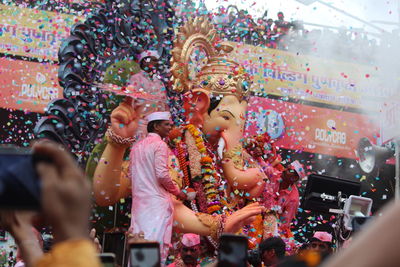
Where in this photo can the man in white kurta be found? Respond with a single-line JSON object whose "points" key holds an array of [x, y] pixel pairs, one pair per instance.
{"points": [[152, 208]]}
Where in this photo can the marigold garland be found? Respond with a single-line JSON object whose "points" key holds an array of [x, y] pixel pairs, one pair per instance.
{"points": [[208, 171], [181, 157]]}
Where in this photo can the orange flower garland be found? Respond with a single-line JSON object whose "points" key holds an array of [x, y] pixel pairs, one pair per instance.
{"points": [[207, 169], [176, 137]]}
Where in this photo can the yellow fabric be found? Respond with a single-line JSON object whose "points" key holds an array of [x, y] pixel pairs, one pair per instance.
{"points": [[73, 253]]}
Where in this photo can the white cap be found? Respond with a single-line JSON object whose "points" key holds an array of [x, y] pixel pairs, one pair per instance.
{"points": [[148, 53], [299, 169], [159, 116]]}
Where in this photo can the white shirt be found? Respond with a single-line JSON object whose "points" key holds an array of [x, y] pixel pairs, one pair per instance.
{"points": [[152, 208]]}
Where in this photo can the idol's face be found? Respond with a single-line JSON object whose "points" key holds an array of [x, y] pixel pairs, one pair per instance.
{"points": [[227, 120]]}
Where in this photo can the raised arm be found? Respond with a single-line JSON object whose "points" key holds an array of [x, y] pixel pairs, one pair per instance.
{"points": [[110, 184]]}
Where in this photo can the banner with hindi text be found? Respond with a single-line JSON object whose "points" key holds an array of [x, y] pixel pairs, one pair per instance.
{"points": [[286, 74], [32, 32]]}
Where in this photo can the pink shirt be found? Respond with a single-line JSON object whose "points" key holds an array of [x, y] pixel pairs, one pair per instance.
{"points": [[289, 202], [283, 202]]}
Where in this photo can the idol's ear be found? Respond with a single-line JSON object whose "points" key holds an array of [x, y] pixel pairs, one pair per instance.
{"points": [[196, 103]]}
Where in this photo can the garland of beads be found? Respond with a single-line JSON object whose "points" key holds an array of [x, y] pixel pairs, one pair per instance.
{"points": [[207, 170]]}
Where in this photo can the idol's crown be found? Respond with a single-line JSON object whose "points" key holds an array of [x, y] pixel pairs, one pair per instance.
{"points": [[200, 63]]}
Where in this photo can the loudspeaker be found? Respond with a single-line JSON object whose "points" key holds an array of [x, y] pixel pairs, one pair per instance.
{"points": [[372, 156], [356, 207]]}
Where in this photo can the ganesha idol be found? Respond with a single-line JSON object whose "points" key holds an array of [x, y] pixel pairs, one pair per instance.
{"points": [[208, 149]]}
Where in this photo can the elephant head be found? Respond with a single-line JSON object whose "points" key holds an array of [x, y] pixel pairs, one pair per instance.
{"points": [[215, 90], [222, 119]]}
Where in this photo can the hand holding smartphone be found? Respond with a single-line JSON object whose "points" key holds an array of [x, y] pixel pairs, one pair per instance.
{"points": [[19, 183]]}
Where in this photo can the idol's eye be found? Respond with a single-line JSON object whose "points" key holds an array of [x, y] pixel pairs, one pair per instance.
{"points": [[245, 86], [225, 117]]}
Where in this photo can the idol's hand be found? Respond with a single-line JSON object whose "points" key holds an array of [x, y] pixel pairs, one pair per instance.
{"points": [[125, 118], [242, 217]]}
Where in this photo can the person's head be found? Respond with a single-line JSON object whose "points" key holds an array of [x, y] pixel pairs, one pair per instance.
{"points": [[270, 21], [280, 15], [149, 60], [321, 242], [292, 174], [272, 250], [253, 147], [258, 152], [190, 249], [159, 123], [289, 177]]}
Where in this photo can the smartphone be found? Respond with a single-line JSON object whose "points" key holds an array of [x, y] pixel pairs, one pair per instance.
{"points": [[232, 251], [19, 183], [107, 259], [145, 254]]}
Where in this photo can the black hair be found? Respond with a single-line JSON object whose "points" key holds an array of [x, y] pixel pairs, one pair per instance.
{"points": [[141, 64], [276, 243], [214, 102], [152, 124]]}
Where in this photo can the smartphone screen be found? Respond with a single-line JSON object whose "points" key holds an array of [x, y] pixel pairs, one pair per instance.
{"points": [[19, 184], [232, 251], [107, 259], [145, 254]]}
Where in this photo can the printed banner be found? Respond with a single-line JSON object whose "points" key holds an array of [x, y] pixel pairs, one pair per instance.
{"points": [[310, 129], [28, 85], [33, 33], [281, 73]]}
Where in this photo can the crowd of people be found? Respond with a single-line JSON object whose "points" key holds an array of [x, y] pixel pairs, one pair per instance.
{"points": [[339, 43]]}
